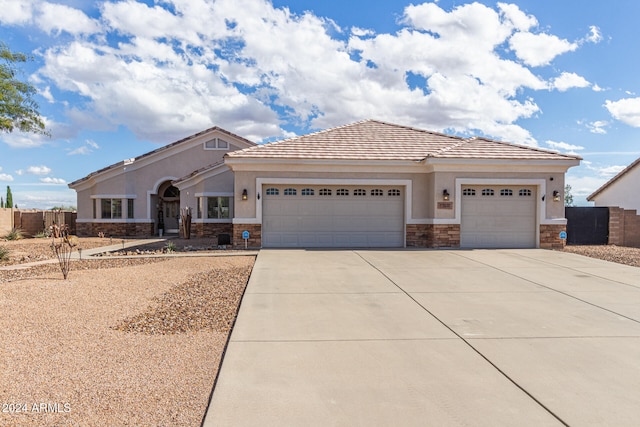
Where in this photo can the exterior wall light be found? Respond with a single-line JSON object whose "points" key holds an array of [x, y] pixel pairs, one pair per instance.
{"points": [[556, 196], [445, 195], [244, 194]]}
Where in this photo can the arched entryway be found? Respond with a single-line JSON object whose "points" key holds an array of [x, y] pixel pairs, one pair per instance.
{"points": [[168, 208]]}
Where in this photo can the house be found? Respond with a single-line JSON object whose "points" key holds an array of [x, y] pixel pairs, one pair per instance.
{"points": [[621, 190], [370, 184], [137, 197], [620, 196]]}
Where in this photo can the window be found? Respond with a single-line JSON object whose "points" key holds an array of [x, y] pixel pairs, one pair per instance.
{"points": [[273, 192], [216, 144], [377, 192], [359, 192], [290, 192], [524, 192], [130, 209], [393, 192], [171, 192], [198, 207], [324, 192], [95, 215], [307, 192], [217, 207], [111, 208], [488, 192], [506, 192], [342, 192], [469, 192]]}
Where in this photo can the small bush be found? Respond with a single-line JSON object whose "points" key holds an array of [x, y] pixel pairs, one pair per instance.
{"points": [[14, 234], [43, 234], [4, 254], [170, 247]]}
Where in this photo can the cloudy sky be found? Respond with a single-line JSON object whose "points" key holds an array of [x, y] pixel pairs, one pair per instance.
{"points": [[119, 78]]}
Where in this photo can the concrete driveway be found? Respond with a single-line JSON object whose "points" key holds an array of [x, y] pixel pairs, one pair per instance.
{"points": [[433, 337]]}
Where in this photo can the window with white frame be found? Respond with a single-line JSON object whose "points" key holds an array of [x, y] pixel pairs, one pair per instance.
{"points": [[524, 192], [469, 192], [272, 192], [359, 192], [342, 192], [307, 192], [488, 192], [394, 192], [506, 192], [290, 192], [111, 208], [377, 192], [199, 207], [216, 144], [324, 192], [130, 211], [218, 207]]}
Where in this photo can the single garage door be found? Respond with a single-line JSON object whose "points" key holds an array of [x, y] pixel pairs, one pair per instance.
{"points": [[332, 216], [498, 217]]}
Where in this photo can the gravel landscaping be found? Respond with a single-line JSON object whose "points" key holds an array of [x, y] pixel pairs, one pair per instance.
{"points": [[619, 254], [125, 342]]}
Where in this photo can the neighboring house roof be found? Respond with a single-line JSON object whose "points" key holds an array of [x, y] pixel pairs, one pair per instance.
{"points": [[198, 172], [377, 140], [157, 151], [614, 179]]}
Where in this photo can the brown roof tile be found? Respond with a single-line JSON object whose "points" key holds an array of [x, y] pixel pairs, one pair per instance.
{"points": [[376, 140]]}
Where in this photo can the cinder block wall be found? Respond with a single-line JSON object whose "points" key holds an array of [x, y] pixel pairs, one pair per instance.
{"points": [[631, 229], [624, 227]]}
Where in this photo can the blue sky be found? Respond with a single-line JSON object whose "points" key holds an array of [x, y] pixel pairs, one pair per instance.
{"points": [[119, 78]]}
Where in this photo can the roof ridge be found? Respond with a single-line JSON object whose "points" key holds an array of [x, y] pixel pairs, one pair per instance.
{"points": [[526, 147]]}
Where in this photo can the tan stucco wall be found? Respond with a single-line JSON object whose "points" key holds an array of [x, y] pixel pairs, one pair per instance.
{"points": [[427, 188], [147, 173]]}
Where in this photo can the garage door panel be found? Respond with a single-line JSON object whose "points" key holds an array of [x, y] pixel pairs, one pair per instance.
{"points": [[333, 221], [498, 221]]}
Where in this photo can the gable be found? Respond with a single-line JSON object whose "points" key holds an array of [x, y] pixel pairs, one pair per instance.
{"points": [[626, 179]]}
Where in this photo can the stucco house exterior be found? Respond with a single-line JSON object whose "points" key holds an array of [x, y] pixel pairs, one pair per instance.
{"points": [[621, 190], [366, 184], [137, 197]]}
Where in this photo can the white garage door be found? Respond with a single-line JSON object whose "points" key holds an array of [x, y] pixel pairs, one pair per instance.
{"points": [[332, 216], [498, 217]]}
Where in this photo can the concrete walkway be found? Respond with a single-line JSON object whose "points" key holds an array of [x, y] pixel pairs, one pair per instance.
{"points": [[433, 337], [91, 253]]}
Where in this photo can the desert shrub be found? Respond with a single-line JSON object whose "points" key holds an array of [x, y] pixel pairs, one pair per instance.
{"points": [[4, 253], [14, 234], [43, 234], [170, 247]]}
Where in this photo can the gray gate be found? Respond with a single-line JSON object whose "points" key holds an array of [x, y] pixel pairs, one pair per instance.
{"points": [[587, 225]]}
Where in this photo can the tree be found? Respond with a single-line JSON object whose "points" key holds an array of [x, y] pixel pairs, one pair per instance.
{"points": [[9, 202], [18, 109], [568, 197]]}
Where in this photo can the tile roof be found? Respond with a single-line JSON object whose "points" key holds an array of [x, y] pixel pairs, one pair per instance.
{"points": [[377, 140], [159, 150], [614, 179]]}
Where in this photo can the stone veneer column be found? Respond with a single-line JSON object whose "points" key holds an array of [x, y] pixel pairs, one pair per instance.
{"points": [[433, 235], [255, 236], [550, 236]]}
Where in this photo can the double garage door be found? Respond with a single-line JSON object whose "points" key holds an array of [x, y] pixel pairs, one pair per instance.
{"points": [[498, 216], [332, 216]]}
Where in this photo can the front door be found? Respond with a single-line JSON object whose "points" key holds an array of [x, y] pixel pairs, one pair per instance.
{"points": [[171, 215]]}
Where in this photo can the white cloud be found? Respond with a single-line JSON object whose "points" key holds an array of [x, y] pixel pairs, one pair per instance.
{"points": [[594, 36], [598, 127], [248, 66], [54, 18], [16, 12], [563, 146], [6, 177], [626, 110], [610, 171], [49, 180], [539, 49], [568, 81], [88, 148], [597, 88], [38, 170]]}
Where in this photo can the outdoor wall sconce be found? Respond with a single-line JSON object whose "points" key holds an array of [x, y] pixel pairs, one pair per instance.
{"points": [[244, 194], [556, 196], [445, 195]]}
